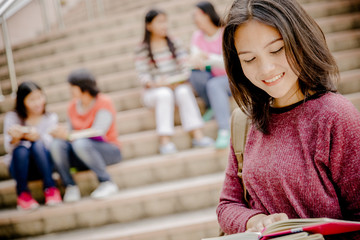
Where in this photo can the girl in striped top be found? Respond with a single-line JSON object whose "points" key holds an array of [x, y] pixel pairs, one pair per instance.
{"points": [[162, 70]]}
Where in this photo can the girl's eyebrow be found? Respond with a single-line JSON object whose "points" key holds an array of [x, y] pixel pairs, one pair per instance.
{"points": [[273, 41]]}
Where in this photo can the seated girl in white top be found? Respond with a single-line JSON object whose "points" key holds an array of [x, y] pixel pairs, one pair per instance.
{"points": [[160, 63]]}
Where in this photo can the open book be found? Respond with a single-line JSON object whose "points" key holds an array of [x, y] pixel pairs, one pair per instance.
{"points": [[308, 228], [172, 79], [86, 133]]}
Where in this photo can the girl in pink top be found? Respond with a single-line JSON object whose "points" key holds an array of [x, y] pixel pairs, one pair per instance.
{"points": [[208, 76], [302, 155]]}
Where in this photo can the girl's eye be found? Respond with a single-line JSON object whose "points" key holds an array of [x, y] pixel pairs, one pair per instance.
{"points": [[248, 61], [277, 51]]}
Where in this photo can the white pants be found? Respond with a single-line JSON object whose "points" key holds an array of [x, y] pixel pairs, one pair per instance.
{"points": [[163, 99]]}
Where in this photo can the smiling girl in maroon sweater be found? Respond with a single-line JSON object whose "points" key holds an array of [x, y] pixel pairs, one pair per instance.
{"points": [[302, 155]]}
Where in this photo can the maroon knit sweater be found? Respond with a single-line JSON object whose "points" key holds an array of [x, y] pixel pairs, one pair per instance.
{"points": [[307, 167]]}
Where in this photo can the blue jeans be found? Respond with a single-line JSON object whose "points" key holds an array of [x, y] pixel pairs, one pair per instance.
{"points": [[215, 91], [83, 154], [31, 164]]}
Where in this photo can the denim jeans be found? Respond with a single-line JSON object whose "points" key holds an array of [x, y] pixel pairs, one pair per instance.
{"points": [[215, 91], [83, 154], [31, 164]]}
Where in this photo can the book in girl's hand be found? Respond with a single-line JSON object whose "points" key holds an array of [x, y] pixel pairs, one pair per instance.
{"points": [[307, 229]]}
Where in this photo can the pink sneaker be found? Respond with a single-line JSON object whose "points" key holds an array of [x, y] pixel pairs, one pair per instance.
{"points": [[26, 202], [52, 196]]}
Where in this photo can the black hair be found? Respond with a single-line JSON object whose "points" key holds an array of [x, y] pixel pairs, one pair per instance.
{"points": [[149, 17], [84, 80], [24, 89], [209, 10]]}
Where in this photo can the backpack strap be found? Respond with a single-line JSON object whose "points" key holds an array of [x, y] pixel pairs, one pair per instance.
{"points": [[239, 129]]}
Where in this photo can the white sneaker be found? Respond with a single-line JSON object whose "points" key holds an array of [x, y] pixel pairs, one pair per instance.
{"points": [[168, 148], [72, 194], [104, 190], [203, 142]]}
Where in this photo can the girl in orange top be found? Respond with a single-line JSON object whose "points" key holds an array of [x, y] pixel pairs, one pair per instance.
{"points": [[91, 142]]}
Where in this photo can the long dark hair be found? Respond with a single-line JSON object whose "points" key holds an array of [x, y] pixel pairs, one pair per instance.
{"points": [[84, 80], [24, 89], [149, 17], [209, 10], [305, 47]]}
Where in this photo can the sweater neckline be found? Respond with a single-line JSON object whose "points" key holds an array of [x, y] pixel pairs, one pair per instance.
{"points": [[292, 106]]}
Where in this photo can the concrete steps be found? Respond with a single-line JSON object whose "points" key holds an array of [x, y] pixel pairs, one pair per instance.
{"points": [[192, 225], [129, 205], [81, 55], [318, 9], [118, 71], [135, 172]]}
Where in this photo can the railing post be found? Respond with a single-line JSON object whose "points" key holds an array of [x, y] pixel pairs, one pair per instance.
{"points": [[89, 9], [100, 7], [44, 15], [9, 58], [59, 14]]}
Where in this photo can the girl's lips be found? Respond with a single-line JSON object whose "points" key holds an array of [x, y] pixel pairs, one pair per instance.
{"points": [[274, 80]]}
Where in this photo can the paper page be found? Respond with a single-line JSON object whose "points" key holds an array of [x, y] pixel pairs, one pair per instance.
{"points": [[238, 236]]}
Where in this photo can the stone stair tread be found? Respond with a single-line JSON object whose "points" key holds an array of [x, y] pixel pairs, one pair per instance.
{"points": [[154, 227], [141, 171], [103, 23], [347, 59], [37, 62], [331, 23], [324, 8], [156, 200], [318, 5], [96, 52], [336, 41], [349, 81], [124, 194], [114, 64]]}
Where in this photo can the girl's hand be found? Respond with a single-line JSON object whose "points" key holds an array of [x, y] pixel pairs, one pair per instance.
{"points": [[32, 135], [60, 132], [258, 222], [16, 133]]}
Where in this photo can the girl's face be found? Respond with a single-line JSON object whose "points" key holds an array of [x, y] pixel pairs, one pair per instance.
{"points": [[200, 18], [75, 91], [158, 26], [35, 103], [262, 56]]}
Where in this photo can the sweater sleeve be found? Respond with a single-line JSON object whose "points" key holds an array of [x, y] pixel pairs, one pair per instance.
{"points": [[344, 160], [142, 65], [232, 210], [11, 118], [103, 121], [51, 122]]}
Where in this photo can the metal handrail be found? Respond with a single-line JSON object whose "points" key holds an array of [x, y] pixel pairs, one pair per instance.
{"points": [[9, 56], [5, 7]]}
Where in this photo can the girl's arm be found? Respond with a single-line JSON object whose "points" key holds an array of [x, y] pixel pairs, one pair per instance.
{"points": [[233, 213], [142, 66], [12, 131], [51, 123], [344, 160]]}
